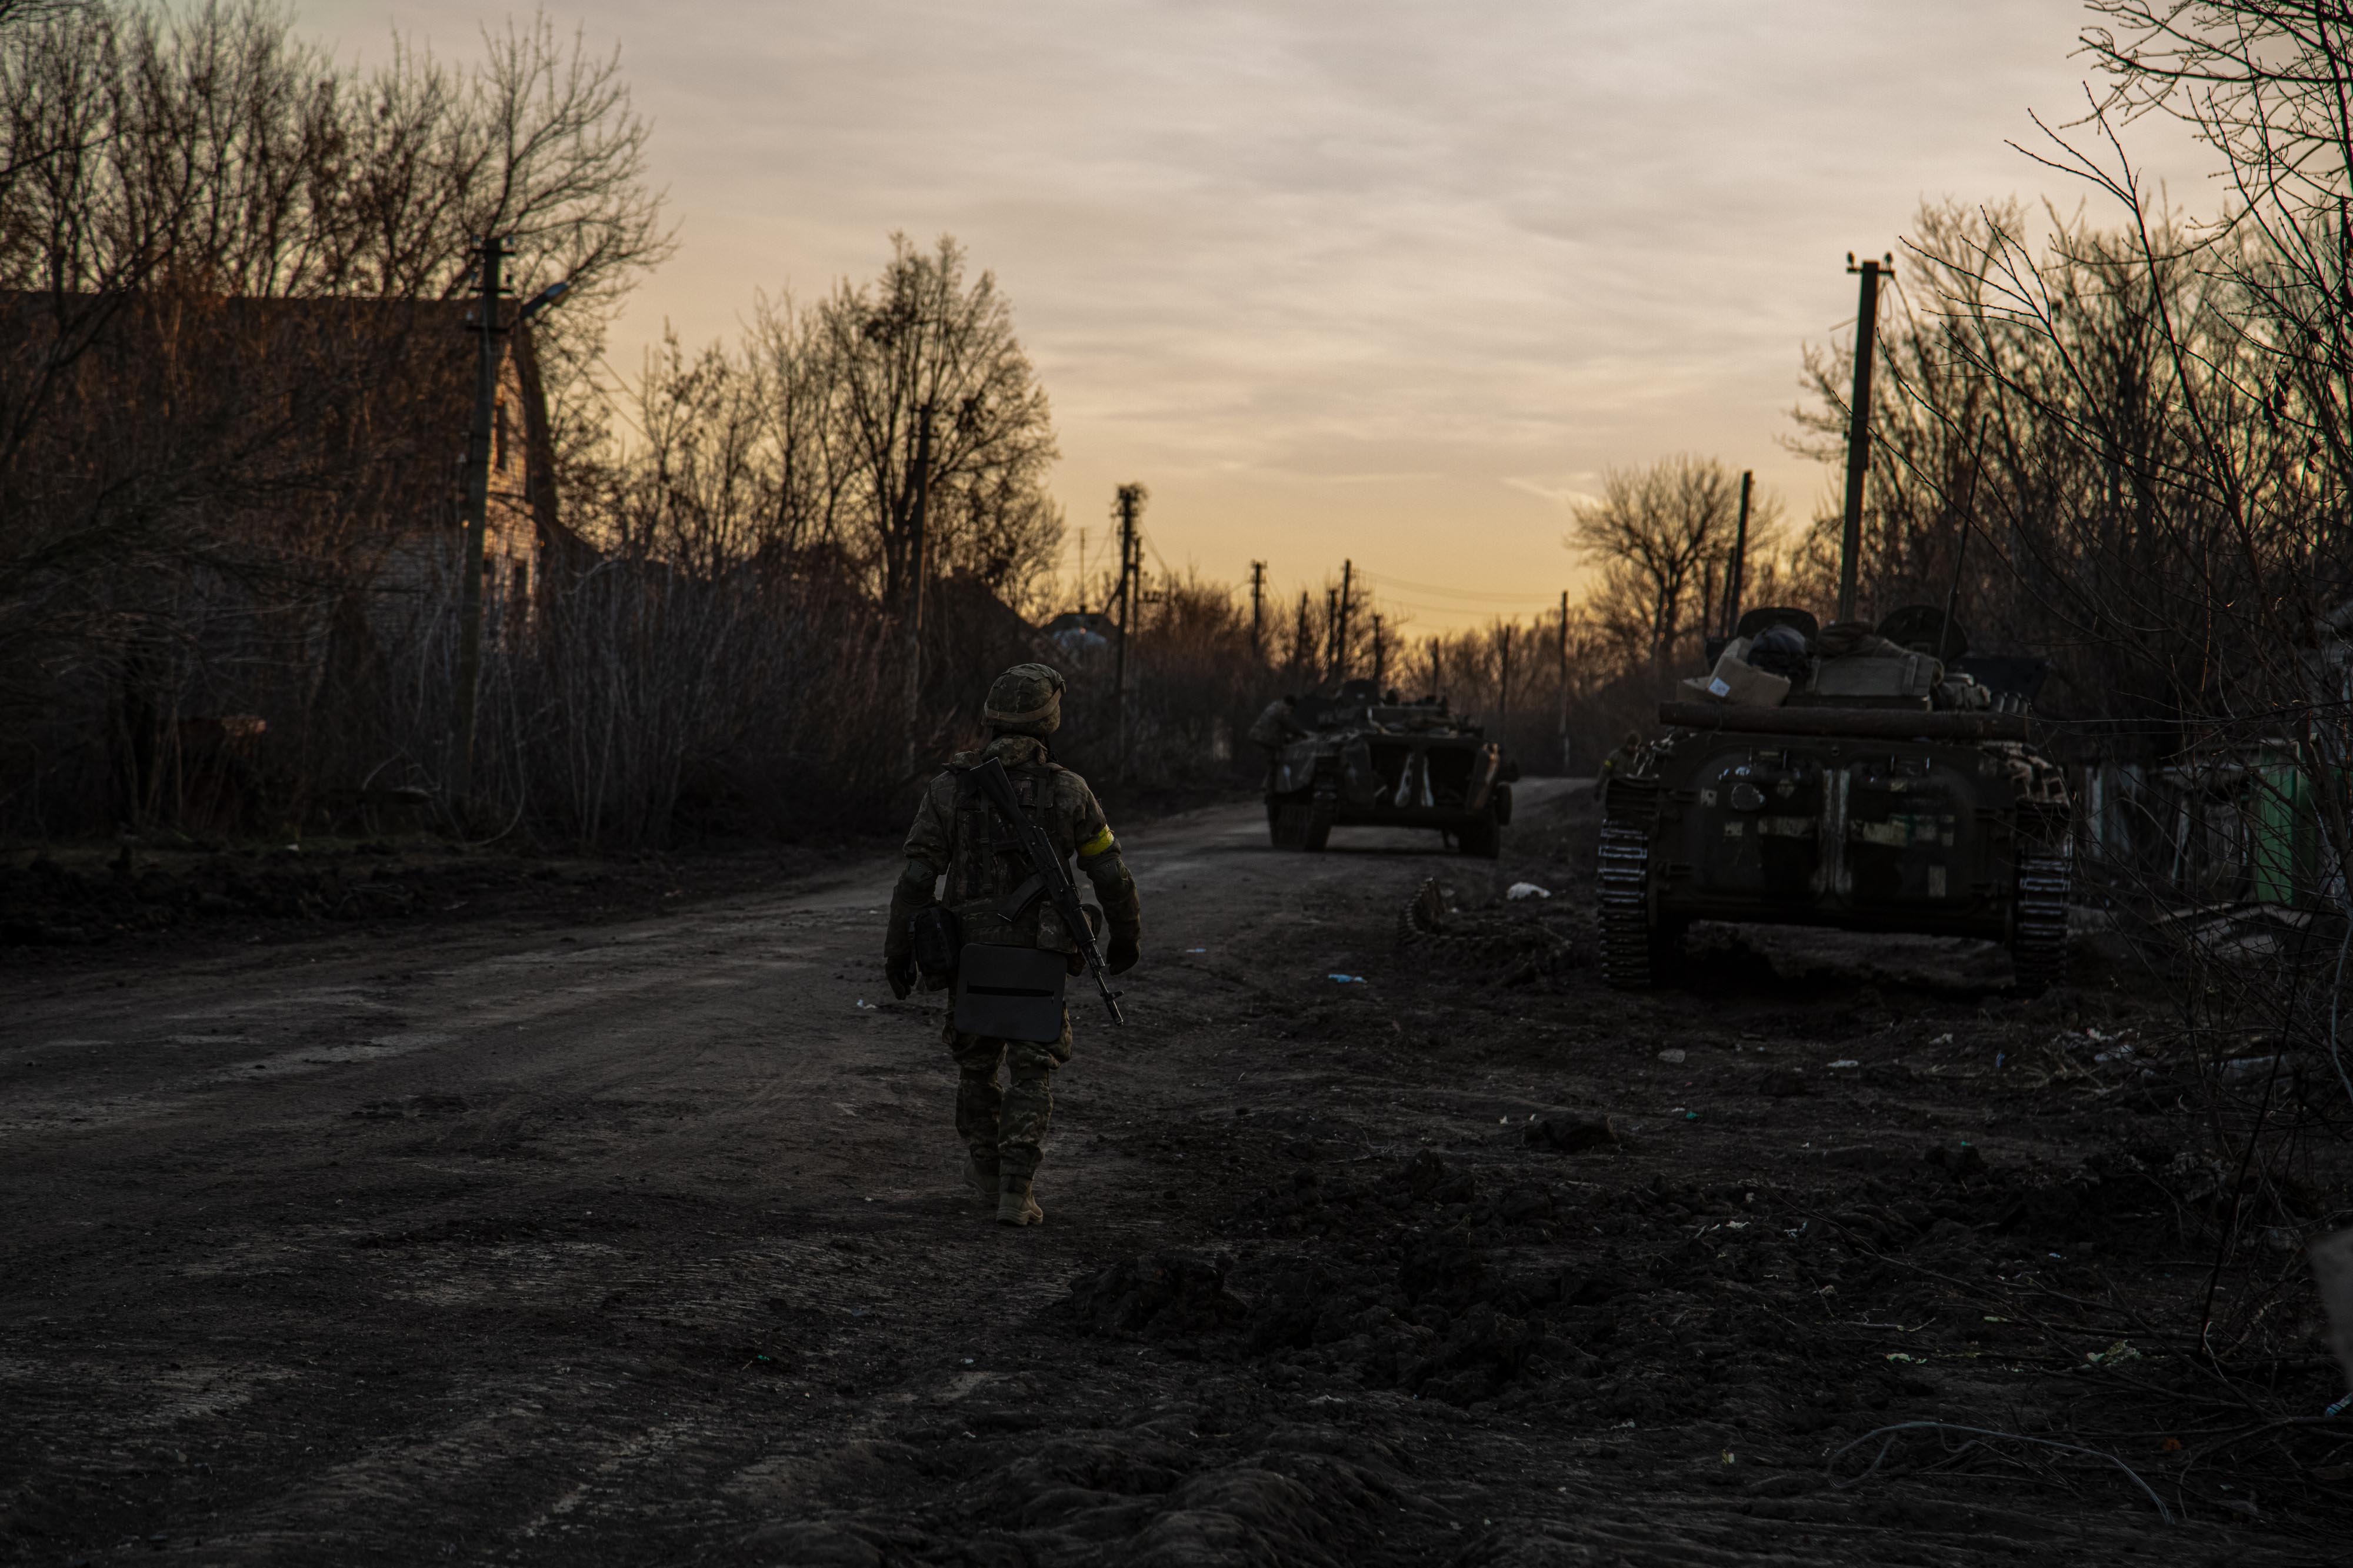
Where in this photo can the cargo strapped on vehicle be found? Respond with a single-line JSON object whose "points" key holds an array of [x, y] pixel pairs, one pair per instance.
{"points": [[1858, 723]]}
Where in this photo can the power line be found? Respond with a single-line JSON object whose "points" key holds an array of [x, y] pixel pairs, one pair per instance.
{"points": [[1457, 593], [1387, 600]]}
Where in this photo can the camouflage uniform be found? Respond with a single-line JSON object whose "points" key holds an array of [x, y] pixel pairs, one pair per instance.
{"points": [[1276, 725], [957, 835], [1624, 759]]}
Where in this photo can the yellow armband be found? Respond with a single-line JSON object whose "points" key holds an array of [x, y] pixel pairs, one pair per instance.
{"points": [[1096, 846]]}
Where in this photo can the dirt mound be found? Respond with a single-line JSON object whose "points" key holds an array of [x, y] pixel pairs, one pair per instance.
{"points": [[1428, 1279], [1422, 1303], [1173, 1486], [1158, 1296]]}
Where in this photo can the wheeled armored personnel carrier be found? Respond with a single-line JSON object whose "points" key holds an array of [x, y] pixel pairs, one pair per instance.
{"points": [[1841, 777], [1364, 758]]}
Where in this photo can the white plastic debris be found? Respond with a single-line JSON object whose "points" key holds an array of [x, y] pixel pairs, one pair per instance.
{"points": [[1672, 1054], [1846, 1062], [1526, 890]]}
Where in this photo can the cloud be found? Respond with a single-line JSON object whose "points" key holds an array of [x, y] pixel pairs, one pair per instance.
{"points": [[1559, 495], [1333, 278]]}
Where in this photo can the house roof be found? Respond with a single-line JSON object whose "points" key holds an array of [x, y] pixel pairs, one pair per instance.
{"points": [[359, 407]]}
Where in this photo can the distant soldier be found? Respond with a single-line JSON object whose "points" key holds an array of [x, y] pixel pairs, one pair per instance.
{"points": [[1277, 724], [994, 895], [1622, 760]]}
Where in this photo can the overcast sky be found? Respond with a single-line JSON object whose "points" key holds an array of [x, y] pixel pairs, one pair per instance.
{"points": [[1377, 280]]}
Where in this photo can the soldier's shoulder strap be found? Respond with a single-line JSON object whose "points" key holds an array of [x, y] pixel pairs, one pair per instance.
{"points": [[1038, 777]]}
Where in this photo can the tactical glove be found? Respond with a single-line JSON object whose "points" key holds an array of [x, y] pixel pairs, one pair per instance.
{"points": [[900, 969], [1123, 949]]}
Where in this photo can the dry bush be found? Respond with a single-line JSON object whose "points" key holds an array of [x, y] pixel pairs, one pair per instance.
{"points": [[1194, 684], [2139, 430]]}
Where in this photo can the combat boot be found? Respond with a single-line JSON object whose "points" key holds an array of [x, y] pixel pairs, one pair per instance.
{"points": [[1014, 1206], [981, 1170]]}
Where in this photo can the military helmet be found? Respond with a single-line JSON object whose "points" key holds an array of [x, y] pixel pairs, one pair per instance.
{"points": [[1026, 700]]}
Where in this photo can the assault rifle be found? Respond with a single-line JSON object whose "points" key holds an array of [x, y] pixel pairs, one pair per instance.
{"points": [[1051, 877]]}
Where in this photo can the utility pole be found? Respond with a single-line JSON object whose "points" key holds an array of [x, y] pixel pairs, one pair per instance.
{"points": [[1380, 654], [490, 255], [1258, 610], [1739, 568], [1340, 634], [1130, 506], [1331, 632], [918, 521], [1503, 683], [1858, 430], [1562, 676]]}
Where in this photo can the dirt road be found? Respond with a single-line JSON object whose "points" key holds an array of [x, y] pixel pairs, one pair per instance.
{"points": [[643, 1244]]}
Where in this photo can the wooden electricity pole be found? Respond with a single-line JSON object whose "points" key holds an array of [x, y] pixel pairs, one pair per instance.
{"points": [[491, 255], [1340, 634], [1738, 569], [918, 521], [1380, 654], [1561, 675], [1131, 506], [916, 568], [1504, 682], [1258, 610], [1858, 430]]}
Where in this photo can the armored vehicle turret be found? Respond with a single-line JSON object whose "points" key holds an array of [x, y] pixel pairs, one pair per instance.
{"points": [[1840, 776], [1363, 757]]}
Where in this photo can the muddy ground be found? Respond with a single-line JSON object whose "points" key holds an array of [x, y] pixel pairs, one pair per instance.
{"points": [[641, 1242]]}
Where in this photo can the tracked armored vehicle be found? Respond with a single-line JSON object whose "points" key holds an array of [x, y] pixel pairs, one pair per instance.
{"points": [[1864, 781], [1364, 758]]}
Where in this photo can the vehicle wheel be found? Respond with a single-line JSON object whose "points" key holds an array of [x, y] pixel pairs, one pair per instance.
{"points": [[1483, 838], [1315, 827], [2037, 940]]}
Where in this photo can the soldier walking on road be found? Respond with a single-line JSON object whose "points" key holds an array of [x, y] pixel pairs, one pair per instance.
{"points": [[994, 897]]}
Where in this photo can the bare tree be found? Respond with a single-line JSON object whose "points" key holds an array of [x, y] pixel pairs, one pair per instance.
{"points": [[2152, 412], [921, 337], [1659, 535], [163, 176], [801, 441]]}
